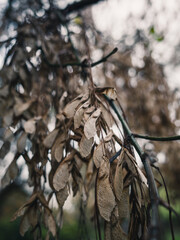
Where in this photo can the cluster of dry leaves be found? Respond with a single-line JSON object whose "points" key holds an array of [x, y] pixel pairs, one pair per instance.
{"points": [[83, 149]]}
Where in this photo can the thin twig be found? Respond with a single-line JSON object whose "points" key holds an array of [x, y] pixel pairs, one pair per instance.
{"points": [[77, 6], [80, 64], [161, 139], [153, 192]]}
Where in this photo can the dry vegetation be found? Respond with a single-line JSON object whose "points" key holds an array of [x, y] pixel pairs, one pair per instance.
{"points": [[48, 74]]}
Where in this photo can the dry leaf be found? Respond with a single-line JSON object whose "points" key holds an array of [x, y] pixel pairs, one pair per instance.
{"points": [[118, 182], [29, 126], [62, 195], [108, 136], [104, 168], [85, 146], [20, 107], [107, 116], [4, 91], [22, 209], [98, 155], [70, 108], [25, 224], [50, 221], [105, 198], [21, 143], [57, 149], [123, 204], [8, 118], [79, 114], [4, 149], [49, 140], [90, 125], [11, 174], [8, 134], [61, 176]]}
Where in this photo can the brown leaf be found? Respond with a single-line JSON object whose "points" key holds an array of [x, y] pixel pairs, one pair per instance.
{"points": [[11, 174], [105, 198], [98, 155], [49, 140], [4, 149], [20, 107], [8, 118], [21, 143], [22, 209], [29, 126], [57, 149], [50, 221], [85, 146], [25, 224], [62, 195], [104, 168], [123, 204], [90, 125], [61, 176], [108, 136], [8, 134], [4, 91], [59, 152], [89, 172], [106, 114], [118, 178], [79, 114], [70, 108]]}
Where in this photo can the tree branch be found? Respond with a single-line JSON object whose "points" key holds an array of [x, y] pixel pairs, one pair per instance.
{"points": [[77, 6], [81, 64], [153, 192], [161, 139]]}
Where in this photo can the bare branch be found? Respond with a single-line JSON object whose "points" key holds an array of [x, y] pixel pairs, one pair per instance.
{"points": [[160, 139], [77, 6]]}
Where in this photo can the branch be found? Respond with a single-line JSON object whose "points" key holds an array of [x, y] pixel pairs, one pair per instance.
{"points": [[162, 139], [153, 192], [77, 6], [81, 64]]}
